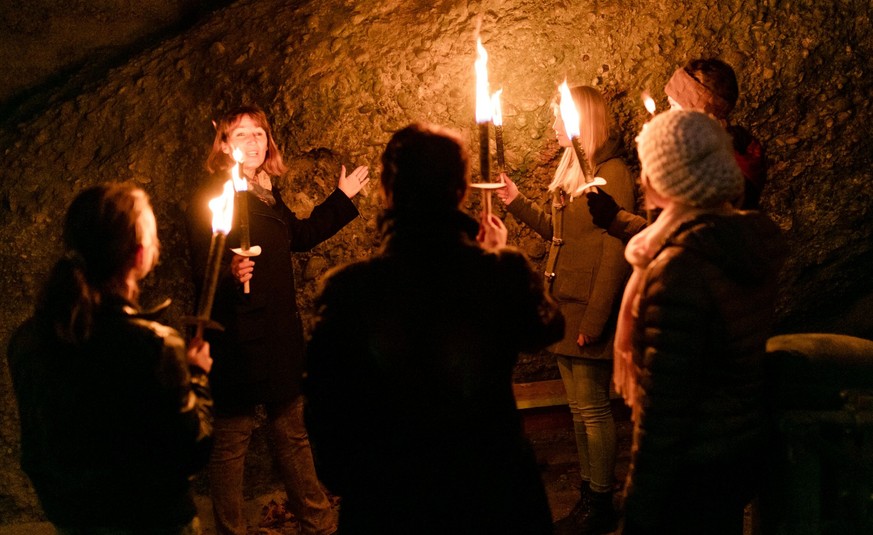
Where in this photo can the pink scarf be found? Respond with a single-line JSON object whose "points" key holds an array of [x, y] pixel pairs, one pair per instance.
{"points": [[640, 251]]}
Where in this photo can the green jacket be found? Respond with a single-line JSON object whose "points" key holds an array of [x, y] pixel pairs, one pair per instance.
{"points": [[591, 269]]}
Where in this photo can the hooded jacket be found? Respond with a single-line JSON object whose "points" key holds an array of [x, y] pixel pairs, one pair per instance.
{"points": [[704, 312]]}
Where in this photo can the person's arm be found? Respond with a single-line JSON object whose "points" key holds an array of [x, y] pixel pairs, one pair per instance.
{"points": [[617, 220], [326, 219], [613, 269], [524, 209], [183, 384], [625, 225]]}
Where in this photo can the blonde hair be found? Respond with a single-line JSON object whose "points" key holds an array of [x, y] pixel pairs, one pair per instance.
{"points": [[594, 123]]}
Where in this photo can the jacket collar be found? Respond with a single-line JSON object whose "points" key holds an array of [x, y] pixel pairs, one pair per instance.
{"points": [[119, 305]]}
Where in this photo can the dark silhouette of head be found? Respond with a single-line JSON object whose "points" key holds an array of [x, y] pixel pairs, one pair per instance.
{"points": [[424, 169]]}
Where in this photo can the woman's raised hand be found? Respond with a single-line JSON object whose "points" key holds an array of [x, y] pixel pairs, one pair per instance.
{"points": [[509, 193], [352, 184]]}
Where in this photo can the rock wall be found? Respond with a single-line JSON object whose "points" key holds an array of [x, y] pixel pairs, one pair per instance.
{"points": [[338, 77]]}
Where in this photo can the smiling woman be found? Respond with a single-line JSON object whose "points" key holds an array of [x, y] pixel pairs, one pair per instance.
{"points": [[259, 355]]}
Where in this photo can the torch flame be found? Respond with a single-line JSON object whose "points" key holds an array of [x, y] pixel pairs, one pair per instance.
{"points": [[483, 101], [649, 103], [496, 111], [239, 184], [569, 113], [222, 209]]}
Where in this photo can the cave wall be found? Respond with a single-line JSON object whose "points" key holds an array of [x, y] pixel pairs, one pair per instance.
{"points": [[338, 77]]}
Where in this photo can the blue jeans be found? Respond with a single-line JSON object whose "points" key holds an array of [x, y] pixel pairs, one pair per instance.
{"points": [[290, 443], [587, 384]]}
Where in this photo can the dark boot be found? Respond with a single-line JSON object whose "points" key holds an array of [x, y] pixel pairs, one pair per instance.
{"points": [[602, 516], [570, 524]]}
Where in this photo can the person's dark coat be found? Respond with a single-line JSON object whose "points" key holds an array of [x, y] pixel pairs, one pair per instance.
{"points": [[410, 403], [705, 311], [258, 358], [111, 429]]}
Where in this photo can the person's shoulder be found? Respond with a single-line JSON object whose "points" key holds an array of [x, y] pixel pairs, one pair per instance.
{"points": [[143, 329], [615, 163], [340, 279]]}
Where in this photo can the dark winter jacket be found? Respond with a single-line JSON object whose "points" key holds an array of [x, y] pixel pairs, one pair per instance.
{"points": [[410, 402], [112, 429], [705, 312], [591, 268], [258, 358]]}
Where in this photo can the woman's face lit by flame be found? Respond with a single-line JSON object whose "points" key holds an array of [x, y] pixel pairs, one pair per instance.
{"points": [[558, 126], [251, 139]]}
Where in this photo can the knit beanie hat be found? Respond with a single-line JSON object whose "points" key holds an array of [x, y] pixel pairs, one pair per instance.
{"points": [[688, 156]]}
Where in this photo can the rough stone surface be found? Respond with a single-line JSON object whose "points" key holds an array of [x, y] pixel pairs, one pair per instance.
{"points": [[338, 77]]}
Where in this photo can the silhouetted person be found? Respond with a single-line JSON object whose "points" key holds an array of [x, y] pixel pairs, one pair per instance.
{"points": [[409, 389], [692, 333], [259, 355], [115, 416]]}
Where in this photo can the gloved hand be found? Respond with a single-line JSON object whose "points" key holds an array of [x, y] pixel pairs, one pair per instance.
{"points": [[602, 207]]}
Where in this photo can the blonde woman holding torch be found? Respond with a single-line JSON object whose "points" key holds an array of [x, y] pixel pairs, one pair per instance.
{"points": [[588, 270]]}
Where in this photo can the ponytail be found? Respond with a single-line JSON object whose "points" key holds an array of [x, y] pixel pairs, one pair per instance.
{"points": [[104, 228], [67, 304]]}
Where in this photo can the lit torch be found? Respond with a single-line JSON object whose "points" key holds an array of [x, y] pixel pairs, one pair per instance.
{"points": [[483, 109], [483, 119], [570, 118], [222, 218], [240, 185], [497, 119], [649, 103]]}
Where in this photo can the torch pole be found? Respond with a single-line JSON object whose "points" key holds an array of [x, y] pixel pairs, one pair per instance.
{"points": [[498, 138], [245, 242], [242, 203], [485, 166], [210, 280], [484, 159], [583, 160]]}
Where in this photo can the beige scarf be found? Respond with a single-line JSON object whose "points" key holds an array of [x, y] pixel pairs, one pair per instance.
{"points": [[640, 251]]}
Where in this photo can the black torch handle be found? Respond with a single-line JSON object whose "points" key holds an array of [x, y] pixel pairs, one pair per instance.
{"points": [[242, 207], [498, 138], [583, 160], [484, 157]]}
